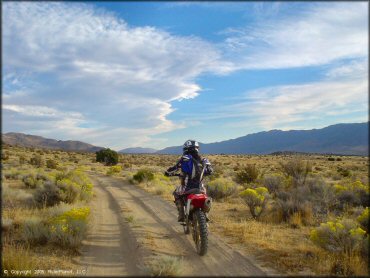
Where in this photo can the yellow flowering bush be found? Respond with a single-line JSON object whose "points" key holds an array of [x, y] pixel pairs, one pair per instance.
{"points": [[68, 229], [160, 184], [363, 219], [114, 170], [255, 199], [339, 236]]}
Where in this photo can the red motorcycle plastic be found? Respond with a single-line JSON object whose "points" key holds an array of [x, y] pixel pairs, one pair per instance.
{"points": [[196, 206]]}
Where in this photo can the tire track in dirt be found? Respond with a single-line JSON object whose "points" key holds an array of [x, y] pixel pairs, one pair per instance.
{"points": [[154, 228], [110, 248]]}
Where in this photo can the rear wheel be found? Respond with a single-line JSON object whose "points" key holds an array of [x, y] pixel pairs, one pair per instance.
{"points": [[200, 232]]}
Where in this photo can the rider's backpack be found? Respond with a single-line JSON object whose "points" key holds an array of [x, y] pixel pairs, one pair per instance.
{"points": [[192, 167]]}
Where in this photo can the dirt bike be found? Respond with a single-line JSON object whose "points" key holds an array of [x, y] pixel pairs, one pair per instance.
{"points": [[197, 204]]}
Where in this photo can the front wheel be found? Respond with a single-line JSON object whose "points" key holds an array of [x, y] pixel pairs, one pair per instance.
{"points": [[200, 232], [186, 227]]}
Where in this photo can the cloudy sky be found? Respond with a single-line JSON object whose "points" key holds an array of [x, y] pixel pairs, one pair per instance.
{"points": [[155, 74]]}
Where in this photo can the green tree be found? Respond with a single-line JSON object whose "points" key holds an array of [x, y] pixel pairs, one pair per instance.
{"points": [[107, 156]]}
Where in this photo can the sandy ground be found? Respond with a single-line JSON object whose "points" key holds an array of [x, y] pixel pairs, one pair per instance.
{"points": [[130, 227]]}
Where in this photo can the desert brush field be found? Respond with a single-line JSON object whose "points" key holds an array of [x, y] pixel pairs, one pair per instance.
{"points": [[294, 213]]}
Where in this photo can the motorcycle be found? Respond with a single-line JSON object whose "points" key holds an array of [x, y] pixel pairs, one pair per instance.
{"points": [[196, 206]]}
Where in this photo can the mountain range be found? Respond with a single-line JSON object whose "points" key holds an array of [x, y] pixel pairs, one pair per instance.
{"points": [[346, 139], [138, 150], [26, 140]]}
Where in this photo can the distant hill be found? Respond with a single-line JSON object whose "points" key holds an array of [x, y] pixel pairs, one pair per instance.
{"points": [[138, 150], [347, 139], [25, 140]]}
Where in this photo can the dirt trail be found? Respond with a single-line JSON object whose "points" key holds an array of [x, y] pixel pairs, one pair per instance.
{"points": [[131, 227]]}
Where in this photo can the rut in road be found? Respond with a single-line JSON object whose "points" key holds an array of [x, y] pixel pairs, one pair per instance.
{"points": [[152, 230]]}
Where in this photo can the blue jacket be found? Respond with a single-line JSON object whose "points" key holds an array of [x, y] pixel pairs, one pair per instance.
{"points": [[191, 169]]}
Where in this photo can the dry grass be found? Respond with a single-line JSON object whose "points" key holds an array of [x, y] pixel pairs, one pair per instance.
{"points": [[280, 246], [164, 266]]}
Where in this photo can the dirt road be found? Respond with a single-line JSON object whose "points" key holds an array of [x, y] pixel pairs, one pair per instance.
{"points": [[131, 227]]}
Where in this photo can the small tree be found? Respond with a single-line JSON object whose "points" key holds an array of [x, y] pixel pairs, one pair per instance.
{"points": [[255, 199], [107, 156]]}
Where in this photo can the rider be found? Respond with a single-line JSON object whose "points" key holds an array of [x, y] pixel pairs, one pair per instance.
{"points": [[191, 165]]}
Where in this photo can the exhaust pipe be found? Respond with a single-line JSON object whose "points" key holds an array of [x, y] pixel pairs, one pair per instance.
{"points": [[207, 205]]}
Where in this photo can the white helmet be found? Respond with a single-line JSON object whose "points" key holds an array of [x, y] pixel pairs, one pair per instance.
{"points": [[190, 145]]}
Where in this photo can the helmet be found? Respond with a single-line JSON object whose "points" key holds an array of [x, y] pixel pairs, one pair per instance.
{"points": [[190, 145]]}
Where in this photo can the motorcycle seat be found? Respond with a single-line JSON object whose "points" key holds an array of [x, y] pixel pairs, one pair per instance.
{"points": [[193, 191]]}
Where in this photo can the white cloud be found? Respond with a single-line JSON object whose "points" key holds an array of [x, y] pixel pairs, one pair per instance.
{"points": [[86, 61], [320, 34], [75, 72]]}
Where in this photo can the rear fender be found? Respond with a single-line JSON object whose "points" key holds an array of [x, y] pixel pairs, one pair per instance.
{"points": [[195, 201]]}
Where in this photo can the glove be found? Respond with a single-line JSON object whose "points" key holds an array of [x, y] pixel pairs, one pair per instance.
{"points": [[166, 174]]}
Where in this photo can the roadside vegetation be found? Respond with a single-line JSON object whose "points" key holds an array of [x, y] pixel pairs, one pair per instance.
{"points": [[299, 214], [45, 207]]}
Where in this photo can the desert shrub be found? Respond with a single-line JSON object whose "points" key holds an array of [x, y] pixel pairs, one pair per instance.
{"points": [[13, 175], [344, 172], [217, 172], [69, 228], [294, 204], [43, 177], [6, 224], [352, 194], [247, 174], [143, 175], [30, 181], [339, 159], [297, 169], [4, 156], [51, 164], [37, 161], [161, 184], [340, 236], [35, 231], [107, 156], [47, 195], [255, 199], [68, 191], [347, 198], [363, 219], [331, 159], [221, 188], [321, 195], [127, 165], [114, 170], [19, 197], [164, 265], [22, 159], [71, 181], [273, 183]]}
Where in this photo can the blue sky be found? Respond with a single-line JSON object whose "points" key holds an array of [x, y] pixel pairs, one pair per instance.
{"points": [[153, 74]]}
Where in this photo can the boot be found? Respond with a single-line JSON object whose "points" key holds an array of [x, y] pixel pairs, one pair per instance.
{"points": [[180, 209]]}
